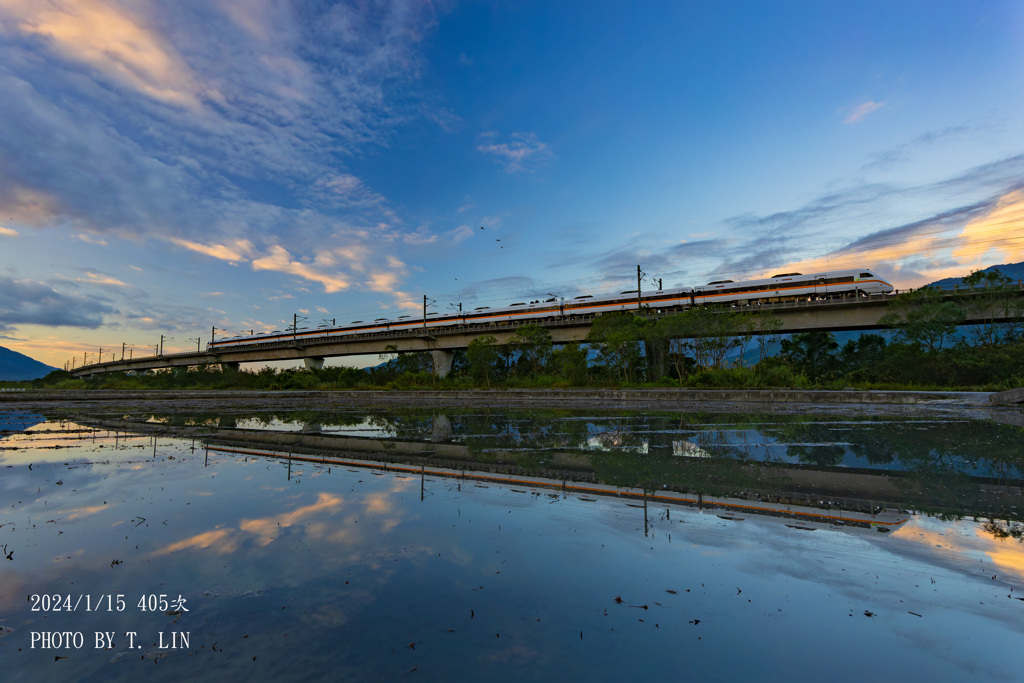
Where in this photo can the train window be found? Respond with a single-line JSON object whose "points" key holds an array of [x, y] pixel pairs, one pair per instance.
{"points": [[554, 298], [586, 296], [631, 291], [866, 275], [719, 282], [785, 275], [381, 320], [355, 322], [482, 308], [519, 304], [402, 317]]}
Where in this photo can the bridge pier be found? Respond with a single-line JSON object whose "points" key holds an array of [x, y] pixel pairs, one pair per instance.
{"points": [[442, 362], [657, 357], [313, 363], [230, 367]]}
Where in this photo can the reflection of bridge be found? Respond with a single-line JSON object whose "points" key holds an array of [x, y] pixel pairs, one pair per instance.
{"points": [[833, 315], [760, 483]]}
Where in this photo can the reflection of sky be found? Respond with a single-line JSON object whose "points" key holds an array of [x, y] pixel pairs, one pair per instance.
{"points": [[339, 570]]}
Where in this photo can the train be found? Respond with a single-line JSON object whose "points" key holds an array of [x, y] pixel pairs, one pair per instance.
{"points": [[783, 287]]}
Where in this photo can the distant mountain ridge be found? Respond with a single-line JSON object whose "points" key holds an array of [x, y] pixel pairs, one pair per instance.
{"points": [[1014, 271], [15, 367]]}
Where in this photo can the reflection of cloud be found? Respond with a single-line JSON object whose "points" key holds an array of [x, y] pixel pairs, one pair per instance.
{"points": [[78, 513], [379, 503], [218, 539], [1006, 553], [267, 528]]}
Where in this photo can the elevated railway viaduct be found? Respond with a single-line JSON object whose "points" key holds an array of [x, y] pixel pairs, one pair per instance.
{"points": [[833, 315]]}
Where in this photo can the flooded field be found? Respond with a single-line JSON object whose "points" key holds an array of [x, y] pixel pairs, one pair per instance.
{"points": [[495, 545]]}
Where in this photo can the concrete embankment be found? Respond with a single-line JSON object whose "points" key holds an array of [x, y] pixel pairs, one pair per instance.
{"points": [[520, 398]]}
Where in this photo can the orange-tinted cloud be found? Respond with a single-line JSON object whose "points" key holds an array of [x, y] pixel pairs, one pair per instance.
{"points": [[113, 41], [278, 259], [236, 250], [996, 237]]}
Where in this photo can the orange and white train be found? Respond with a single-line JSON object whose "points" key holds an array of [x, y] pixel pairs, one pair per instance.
{"points": [[783, 287]]}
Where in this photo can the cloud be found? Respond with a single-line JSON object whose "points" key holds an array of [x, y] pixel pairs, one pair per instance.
{"points": [[460, 233], [859, 112], [947, 244], [219, 129], [236, 250], [889, 157], [523, 152], [8, 232], [114, 43], [278, 259], [98, 279], [25, 302], [89, 239], [998, 235]]}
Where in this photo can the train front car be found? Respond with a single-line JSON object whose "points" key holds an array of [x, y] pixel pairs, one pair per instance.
{"points": [[871, 283]]}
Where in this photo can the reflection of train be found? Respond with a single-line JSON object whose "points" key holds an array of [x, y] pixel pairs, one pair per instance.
{"points": [[785, 287]]}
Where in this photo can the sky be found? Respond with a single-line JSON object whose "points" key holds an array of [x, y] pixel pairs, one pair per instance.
{"points": [[215, 167]]}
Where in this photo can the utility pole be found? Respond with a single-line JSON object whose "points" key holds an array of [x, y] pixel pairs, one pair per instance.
{"points": [[122, 350], [161, 351], [425, 300], [100, 355], [638, 302], [213, 331], [295, 324]]}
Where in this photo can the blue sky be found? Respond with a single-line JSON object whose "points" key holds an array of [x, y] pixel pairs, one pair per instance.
{"points": [[166, 168]]}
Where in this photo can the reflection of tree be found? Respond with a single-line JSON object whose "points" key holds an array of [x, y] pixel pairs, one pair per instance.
{"points": [[1004, 529]]}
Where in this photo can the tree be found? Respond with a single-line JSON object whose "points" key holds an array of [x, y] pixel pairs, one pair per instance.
{"points": [[925, 318], [811, 352], [570, 362], [482, 355], [989, 298], [768, 326], [620, 336], [531, 345]]}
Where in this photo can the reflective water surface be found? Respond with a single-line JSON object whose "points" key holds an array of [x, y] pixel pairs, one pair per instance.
{"points": [[495, 545]]}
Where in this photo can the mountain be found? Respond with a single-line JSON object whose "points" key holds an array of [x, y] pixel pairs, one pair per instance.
{"points": [[16, 366], [1014, 271]]}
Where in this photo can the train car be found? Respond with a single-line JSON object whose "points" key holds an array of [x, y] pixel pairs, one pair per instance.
{"points": [[793, 287], [782, 287]]}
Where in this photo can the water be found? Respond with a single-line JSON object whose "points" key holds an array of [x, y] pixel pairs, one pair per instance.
{"points": [[294, 562]]}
